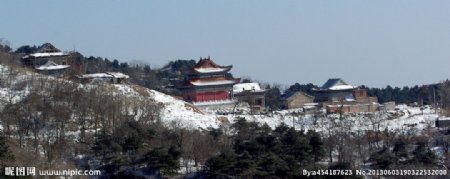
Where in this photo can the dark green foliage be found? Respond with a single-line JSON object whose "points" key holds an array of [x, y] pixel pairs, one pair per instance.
{"points": [[261, 152], [245, 165], [317, 145], [115, 63], [5, 153], [26, 49], [215, 133], [105, 144], [402, 156], [400, 148], [164, 160], [273, 98], [383, 159], [307, 88], [179, 64], [223, 164], [132, 135], [423, 154], [4, 46], [425, 94]]}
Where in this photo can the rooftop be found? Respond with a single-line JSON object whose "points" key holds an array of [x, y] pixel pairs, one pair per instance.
{"points": [[104, 75], [207, 65], [45, 54], [336, 84], [50, 65], [241, 87]]}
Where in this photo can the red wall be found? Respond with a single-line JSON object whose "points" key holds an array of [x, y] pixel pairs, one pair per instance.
{"points": [[211, 96]]}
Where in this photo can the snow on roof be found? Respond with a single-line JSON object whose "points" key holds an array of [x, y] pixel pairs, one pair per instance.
{"points": [[207, 83], [336, 84], [341, 87], [309, 107], [350, 98], [50, 65], [96, 75], [210, 70], [241, 87], [444, 118], [105, 75], [118, 75], [46, 54], [56, 67]]}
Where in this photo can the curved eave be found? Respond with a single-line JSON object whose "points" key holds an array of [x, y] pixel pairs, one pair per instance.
{"points": [[212, 70], [60, 67], [214, 83], [38, 57]]}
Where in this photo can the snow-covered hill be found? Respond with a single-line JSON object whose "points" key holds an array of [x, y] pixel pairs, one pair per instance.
{"points": [[182, 114]]}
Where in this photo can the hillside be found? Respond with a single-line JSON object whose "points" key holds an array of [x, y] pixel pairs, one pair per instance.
{"points": [[16, 86], [125, 128]]}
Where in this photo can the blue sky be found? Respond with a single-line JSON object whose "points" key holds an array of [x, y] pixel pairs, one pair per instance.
{"points": [[376, 43]]}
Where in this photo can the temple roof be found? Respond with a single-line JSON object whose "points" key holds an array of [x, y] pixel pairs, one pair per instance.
{"points": [[207, 65], [46, 50], [47, 54], [211, 70]]}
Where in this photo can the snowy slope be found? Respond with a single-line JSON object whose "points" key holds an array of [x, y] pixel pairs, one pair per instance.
{"points": [[174, 112], [183, 114], [178, 111]]}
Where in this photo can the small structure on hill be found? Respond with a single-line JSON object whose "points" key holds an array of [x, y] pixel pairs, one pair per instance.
{"points": [[108, 77], [336, 95], [442, 122], [46, 52], [208, 83], [388, 106], [252, 94], [334, 90], [297, 100], [48, 60]]}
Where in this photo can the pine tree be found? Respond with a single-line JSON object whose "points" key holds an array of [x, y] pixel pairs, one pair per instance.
{"points": [[5, 153]]}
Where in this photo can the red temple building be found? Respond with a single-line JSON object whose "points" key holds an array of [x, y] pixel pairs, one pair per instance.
{"points": [[208, 82]]}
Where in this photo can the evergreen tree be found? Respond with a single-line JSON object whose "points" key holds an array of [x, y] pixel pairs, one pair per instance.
{"points": [[383, 159], [317, 145], [5, 153], [26, 49], [222, 165], [273, 98], [423, 154], [164, 160]]}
